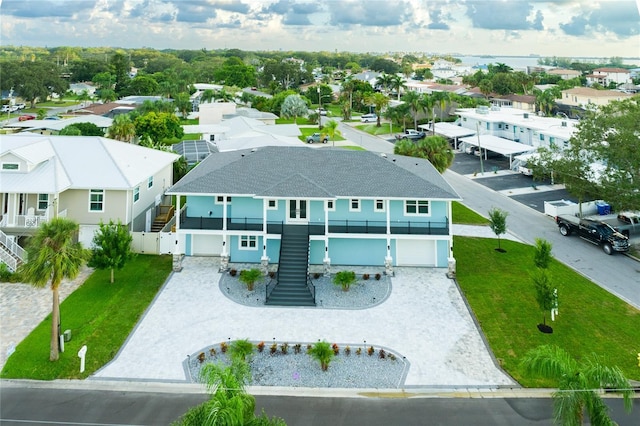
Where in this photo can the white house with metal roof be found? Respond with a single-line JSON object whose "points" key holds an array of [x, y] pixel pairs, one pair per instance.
{"points": [[85, 178], [328, 206]]}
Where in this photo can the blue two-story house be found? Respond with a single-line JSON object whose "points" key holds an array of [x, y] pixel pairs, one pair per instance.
{"points": [[324, 206]]}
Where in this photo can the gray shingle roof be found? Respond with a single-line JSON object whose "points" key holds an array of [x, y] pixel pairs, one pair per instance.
{"points": [[315, 173]]}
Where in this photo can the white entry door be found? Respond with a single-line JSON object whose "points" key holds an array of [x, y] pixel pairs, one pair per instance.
{"points": [[297, 211]]}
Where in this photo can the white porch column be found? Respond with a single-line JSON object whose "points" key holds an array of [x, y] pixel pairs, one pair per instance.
{"points": [[388, 260], [177, 255], [326, 261], [451, 261]]}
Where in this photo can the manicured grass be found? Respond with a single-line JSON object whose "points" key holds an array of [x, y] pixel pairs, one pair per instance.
{"points": [[464, 215], [306, 131], [373, 129], [353, 148], [56, 104], [191, 121], [301, 121], [500, 291], [99, 314]]}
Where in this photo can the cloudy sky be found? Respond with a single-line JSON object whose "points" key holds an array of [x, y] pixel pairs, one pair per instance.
{"points": [[570, 28]]}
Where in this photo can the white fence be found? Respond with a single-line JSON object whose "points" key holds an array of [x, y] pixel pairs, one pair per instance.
{"points": [[153, 242]]}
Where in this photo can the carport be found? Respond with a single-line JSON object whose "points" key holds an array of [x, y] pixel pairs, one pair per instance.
{"points": [[448, 130], [502, 146]]}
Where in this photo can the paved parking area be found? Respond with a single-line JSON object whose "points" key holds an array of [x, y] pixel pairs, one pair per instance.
{"points": [[425, 320]]}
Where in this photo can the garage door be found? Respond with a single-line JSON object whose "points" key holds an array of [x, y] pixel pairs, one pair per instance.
{"points": [[415, 253], [206, 245]]}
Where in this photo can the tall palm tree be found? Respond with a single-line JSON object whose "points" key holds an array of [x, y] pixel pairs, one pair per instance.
{"points": [[384, 81], [122, 128], [399, 114], [331, 130], [579, 384], [443, 99], [397, 82], [379, 101], [52, 255], [207, 96], [436, 149], [414, 100]]}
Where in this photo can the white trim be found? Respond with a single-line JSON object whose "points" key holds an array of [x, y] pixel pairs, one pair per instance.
{"points": [[375, 206], [150, 182], [249, 239], [97, 191], [354, 209], [136, 194], [42, 201], [417, 207], [219, 199], [275, 202], [333, 205]]}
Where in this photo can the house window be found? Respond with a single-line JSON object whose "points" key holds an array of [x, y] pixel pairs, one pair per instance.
{"points": [[10, 166], [488, 127], [354, 205], [248, 242], [96, 200], [552, 141], [378, 206], [541, 137], [272, 205], [150, 182], [43, 201], [220, 199], [506, 127], [500, 126], [416, 207], [136, 194], [331, 206]]}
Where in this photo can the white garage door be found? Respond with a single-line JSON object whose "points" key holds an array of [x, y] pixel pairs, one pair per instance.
{"points": [[206, 245], [415, 253]]}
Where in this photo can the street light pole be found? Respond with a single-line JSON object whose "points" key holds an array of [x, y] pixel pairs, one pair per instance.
{"points": [[319, 109]]}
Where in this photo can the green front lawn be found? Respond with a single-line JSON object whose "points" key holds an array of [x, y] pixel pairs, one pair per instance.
{"points": [[500, 291], [463, 215], [306, 131], [302, 121], [384, 129], [99, 314]]}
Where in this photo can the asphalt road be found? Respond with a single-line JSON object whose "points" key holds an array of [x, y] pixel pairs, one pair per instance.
{"points": [[25, 405]]}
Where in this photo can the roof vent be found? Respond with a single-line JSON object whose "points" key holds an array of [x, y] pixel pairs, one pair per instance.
{"points": [[383, 155]]}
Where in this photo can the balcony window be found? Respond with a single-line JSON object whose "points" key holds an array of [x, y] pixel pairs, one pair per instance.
{"points": [[378, 206], [220, 199], [416, 207], [354, 205], [272, 205]]}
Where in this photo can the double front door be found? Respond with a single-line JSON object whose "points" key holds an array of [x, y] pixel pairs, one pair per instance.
{"points": [[297, 211]]}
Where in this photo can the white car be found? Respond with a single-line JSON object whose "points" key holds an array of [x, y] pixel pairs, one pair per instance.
{"points": [[368, 118]]}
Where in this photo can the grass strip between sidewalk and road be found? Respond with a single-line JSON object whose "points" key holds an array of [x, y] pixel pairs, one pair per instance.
{"points": [[99, 314]]}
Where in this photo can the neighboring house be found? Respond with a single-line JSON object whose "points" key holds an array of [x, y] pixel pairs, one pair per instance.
{"points": [[194, 151], [80, 88], [85, 178], [348, 208], [604, 76], [516, 125], [523, 102], [565, 74], [53, 127], [110, 109], [582, 97]]}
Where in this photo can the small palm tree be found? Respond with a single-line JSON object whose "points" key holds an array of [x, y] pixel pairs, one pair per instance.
{"points": [[122, 128], [344, 279], [331, 130], [52, 255], [249, 277], [579, 384], [379, 101], [241, 349], [323, 353]]}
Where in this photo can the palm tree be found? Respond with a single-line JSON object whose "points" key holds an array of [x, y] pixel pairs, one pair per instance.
{"points": [[414, 100], [122, 128], [436, 149], [442, 98], [331, 130], [52, 255], [398, 114], [207, 96], [384, 81], [397, 83], [323, 353], [379, 101], [579, 384]]}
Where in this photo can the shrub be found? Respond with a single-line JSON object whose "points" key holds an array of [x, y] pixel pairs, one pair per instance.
{"points": [[272, 274], [359, 351], [233, 272], [365, 277], [284, 348], [382, 354], [316, 275], [212, 352], [347, 350], [249, 277], [336, 349], [371, 351], [378, 276], [323, 353], [260, 347], [201, 357], [274, 348], [241, 349], [297, 348], [344, 279], [223, 347]]}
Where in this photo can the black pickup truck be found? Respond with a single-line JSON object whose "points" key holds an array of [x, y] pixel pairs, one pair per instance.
{"points": [[598, 233]]}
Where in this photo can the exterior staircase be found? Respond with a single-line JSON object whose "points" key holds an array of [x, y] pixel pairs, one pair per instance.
{"points": [[165, 213], [293, 286]]}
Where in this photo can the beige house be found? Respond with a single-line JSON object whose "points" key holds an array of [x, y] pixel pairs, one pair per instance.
{"points": [[85, 178], [583, 96], [565, 74]]}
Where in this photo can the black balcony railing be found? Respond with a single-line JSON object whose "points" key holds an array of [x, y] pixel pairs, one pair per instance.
{"points": [[417, 227]]}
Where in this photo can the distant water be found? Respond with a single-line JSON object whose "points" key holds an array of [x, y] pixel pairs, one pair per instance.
{"points": [[522, 62]]}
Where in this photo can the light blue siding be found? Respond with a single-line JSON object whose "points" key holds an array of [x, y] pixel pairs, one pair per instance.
{"points": [[273, 250], [357, 252], [366, 211], [201, 206], [316, 211], [278, 215], [246, 207], [187, 244], [249, 256], [316, 253], [442, 257]]}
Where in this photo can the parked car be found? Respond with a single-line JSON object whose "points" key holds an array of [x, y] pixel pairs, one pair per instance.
{"points": [[317, 137], [321, 111], [21, 106], [52, 117], [5, 108], [368, 118], [26, 117], [471, 150]]}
